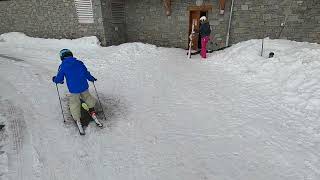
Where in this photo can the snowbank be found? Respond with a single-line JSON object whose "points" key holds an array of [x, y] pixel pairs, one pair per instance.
{"points": [[235, 114], [295, 69], [20, 38]]}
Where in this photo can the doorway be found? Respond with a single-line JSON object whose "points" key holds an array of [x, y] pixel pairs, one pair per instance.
{"points": [[194, 20]]}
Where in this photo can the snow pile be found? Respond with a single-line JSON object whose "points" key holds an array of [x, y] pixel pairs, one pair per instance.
{"points": [[233, 115], [295, 69], [20, 38]]}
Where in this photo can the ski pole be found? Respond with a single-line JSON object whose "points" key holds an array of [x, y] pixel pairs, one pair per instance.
{"points": [[99, 100], [262, 47], [264, 34], [64, 120]]}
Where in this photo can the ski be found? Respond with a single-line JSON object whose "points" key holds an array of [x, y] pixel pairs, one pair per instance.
{"points": [[208, 51], [198, 52], [80, 128], [191, 38], [92, 115]]}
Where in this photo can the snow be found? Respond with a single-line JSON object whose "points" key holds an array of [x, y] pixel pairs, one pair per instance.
{"points": [[235, 115]]}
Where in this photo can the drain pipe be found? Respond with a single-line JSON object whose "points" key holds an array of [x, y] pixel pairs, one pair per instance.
{"points": [[229, 26]]}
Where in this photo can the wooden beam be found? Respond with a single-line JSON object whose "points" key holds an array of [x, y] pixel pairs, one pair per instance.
{"points": [[222, 4], [206, 7], [167, 6]]}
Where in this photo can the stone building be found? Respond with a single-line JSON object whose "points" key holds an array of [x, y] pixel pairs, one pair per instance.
{"points": [[162, 22]]}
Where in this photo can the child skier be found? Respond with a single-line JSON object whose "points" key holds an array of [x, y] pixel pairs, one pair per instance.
{"points": [[205, 31], [76, 75]]}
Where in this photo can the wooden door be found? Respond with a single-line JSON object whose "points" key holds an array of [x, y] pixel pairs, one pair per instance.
{"points": [[194, 20]]}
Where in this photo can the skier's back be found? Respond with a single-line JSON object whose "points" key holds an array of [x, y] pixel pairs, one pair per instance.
{"points": [[76, 75]]}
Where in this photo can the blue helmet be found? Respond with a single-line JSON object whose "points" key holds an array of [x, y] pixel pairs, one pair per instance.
{"points": [[65, 53]]}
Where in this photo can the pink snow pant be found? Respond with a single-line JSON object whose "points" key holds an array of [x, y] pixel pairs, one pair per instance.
{"points": [[204, 42]]}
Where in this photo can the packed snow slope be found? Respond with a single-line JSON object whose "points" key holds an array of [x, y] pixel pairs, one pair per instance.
{"points": [[234, 116]]}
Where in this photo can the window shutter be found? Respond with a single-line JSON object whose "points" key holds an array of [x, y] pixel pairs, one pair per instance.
{"points": [[84, 11], [118, 11]]}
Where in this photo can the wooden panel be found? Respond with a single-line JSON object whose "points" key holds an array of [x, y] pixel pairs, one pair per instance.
{"points": [[167, 6], [194, 19], [222, 4], [207, 7]]}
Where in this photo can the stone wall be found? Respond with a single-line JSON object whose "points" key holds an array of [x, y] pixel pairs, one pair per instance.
{"points": [[261, 18], [219, 24], [115, 33], [48, 19], [146, 21]]}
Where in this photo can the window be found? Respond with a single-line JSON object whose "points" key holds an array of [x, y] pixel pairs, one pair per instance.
{"points": [[84, 11]]}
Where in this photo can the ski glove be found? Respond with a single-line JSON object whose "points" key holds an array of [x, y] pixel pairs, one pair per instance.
{"points": [[93, 79], [54, 78]]}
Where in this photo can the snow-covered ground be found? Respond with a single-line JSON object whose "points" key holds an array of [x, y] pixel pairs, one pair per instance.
{"points": [[233, 116]]}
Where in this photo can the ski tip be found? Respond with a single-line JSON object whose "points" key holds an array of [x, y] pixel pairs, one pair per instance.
{"points": [[82, 134], [99, 124]]}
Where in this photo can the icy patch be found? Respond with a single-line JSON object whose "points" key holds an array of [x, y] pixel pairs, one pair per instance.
{"points": [[3, 154], [3, 165], [37, 164]]}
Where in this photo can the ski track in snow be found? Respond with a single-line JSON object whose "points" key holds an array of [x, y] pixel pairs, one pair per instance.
{"points": [[233, 116], [82, 155]]}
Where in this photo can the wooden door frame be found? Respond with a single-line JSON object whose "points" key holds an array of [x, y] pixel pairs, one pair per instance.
{"points": [[195, 45], [204, 8]]}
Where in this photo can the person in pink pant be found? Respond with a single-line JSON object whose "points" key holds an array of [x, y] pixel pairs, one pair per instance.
{"points": [[204, 31]]}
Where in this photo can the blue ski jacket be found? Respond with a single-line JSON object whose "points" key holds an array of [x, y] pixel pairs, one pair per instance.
{"points": [[76, 75]]}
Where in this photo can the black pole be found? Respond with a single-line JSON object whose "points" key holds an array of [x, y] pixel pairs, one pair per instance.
{"points": [[64, 120], [264, 34], [262, 47], [99, 100]]}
